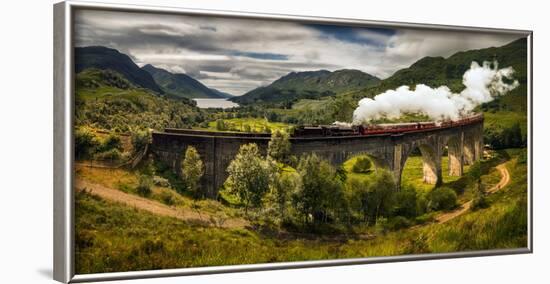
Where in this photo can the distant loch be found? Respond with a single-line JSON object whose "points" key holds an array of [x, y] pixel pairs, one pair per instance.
{"points": [[215, 103]]}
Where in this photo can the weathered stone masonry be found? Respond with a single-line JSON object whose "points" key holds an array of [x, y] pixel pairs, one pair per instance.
{"points": [[217, 149]]}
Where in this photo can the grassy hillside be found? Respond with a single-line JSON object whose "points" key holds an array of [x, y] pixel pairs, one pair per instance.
{"points": [[308, 85], [106, 100], [108, 234], [437, 71], [501, 115]]}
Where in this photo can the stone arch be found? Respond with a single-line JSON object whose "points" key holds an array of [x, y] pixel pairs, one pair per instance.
{"points": [[378, 161], [431, 162]]}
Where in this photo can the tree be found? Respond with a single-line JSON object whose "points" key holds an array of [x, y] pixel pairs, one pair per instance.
{"points": [[192, 170], [500, 137], [140, 139], [441, 199], [341, 109], [111, 142], [279, 145], [220, 125], [404, 203], [284, 184], [375, 197], [380, 192], [249, 176], [144, 185], [362, 165], [321, 192], [480, 200], [513, 137], [85, 143]]}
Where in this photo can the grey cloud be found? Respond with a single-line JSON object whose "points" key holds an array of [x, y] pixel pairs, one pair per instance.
{"points": [[209, 28], [237, 55]]}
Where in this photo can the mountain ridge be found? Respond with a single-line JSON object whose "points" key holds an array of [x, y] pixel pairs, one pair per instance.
{"points": [[309, 84], [182, 85], [105, 58]]}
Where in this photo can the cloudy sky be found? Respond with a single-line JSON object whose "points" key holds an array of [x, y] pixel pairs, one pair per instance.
{"points": [[238, 55]]}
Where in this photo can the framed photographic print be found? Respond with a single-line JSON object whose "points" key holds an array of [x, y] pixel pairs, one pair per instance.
{"points": [[194, 141]]}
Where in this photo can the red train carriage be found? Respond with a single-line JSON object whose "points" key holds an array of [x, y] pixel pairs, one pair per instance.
{"points": [[384, 128]]}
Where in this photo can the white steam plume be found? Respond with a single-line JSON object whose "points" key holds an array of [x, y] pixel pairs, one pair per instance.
{"points": [[482, 83]]}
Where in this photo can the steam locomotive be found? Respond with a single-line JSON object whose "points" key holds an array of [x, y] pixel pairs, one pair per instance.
{"points": [[384, 128]]}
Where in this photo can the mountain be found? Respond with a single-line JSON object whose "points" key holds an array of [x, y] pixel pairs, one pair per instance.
{"points": [[437, 71], [309, 85], [104, 58], [182, 85], [105, 99], [221, 94], [501, 115]]}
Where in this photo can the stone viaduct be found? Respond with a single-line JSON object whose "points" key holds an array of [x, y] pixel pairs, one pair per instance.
{"points": [[464, 145]]}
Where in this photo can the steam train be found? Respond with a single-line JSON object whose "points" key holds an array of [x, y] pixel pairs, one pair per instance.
{"points": [[384, 128]]}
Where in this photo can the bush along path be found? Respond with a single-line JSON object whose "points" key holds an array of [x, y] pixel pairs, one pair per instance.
{"points": [[155, 207], [504, 180]]}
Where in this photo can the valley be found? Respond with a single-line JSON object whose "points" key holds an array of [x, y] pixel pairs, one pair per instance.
{"points": [[136, 211]]}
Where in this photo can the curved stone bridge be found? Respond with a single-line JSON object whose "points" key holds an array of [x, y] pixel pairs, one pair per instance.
{"points": [[464, 144]]}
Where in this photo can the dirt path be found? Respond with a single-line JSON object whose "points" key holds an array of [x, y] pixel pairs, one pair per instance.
{"points": [[504, 180], [157, 207]]}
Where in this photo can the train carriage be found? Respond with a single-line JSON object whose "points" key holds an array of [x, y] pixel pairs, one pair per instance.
{"points": [[384, 128]]}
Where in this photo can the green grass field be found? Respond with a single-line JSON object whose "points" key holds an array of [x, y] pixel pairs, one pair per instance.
{"points": [[412, 173], [255, 124], [309, 104]]}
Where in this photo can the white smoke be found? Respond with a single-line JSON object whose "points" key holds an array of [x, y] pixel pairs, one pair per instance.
{"points": [[482, 83], [342, 124]]}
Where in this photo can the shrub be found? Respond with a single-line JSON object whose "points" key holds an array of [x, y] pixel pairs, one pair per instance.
{"points": [[192, 170], [167, 198], [397, 223], [140, 139], [112, 154], [479, 202], [441, 199], [144, 186], [480, 199], [405, 203], [362, 165], [421, 204], [423, 219], [279, 146], [523, 156], [111, 142], [160, 181], [381, 225], [85, 143]]}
